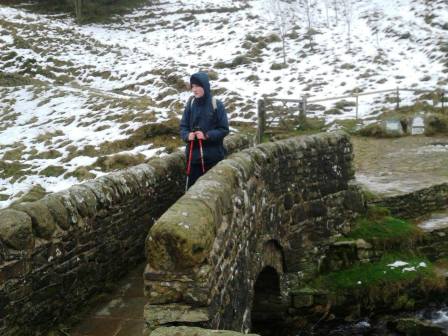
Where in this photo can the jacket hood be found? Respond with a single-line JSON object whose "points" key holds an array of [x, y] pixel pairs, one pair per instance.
{"points": [[202, 77]]}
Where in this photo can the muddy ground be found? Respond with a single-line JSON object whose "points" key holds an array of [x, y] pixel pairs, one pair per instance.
{"points": [[400, 165]]}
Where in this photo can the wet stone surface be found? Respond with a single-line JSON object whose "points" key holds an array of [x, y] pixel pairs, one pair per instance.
{"points": [[402, 165], [120, 314], [436, 221]]}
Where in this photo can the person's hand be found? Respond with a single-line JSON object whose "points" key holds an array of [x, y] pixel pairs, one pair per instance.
{"points": [[200, 135], [191, 136]]}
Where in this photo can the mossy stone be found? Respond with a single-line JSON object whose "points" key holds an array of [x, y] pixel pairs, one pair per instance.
{"points": [[43, 223], [85, 200], [182, 238], [57, 210], [16, 229]]}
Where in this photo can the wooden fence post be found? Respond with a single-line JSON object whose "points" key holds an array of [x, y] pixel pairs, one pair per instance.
{"points": [[78, 10], [398, 98], [261, 120], [442, 98], [303, 111], [357, 104]]}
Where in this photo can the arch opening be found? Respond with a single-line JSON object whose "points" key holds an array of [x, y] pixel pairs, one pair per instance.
{"points": [[267, 307]]}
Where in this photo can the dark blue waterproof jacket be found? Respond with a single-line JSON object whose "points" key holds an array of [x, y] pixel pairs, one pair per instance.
{"points": [[213, 124]]}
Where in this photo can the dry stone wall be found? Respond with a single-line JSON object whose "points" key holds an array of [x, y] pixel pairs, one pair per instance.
{"points": [[57, 252], [417, 203], [273, 205]]}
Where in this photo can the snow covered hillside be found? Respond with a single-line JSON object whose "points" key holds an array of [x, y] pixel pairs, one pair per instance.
{"points": [[73, 97]]}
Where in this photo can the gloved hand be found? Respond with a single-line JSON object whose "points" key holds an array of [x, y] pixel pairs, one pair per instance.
{"points": [[200, 135]]}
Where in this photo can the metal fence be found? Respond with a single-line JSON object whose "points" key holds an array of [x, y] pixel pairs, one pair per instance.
{"points": [[302, 106]]}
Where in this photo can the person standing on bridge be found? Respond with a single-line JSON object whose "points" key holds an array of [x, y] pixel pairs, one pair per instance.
{"points": [[203, 125]]}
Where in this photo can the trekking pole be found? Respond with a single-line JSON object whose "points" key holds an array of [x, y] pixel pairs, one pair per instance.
{"points": [[189, 164], [202, 156]]}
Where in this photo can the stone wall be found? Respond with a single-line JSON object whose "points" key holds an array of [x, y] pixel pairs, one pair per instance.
{"points": [[273, 205], [57, 252], [417, 203], [192, 331]]}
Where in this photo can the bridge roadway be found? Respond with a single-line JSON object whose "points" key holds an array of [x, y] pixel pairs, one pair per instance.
{"points": [[118, 314]]}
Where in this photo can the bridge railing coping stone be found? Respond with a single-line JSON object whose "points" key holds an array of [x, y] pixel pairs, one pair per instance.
{"points": [[183, 236]]}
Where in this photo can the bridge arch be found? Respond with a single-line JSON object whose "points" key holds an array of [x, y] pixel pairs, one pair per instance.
{"points": [[268, 306], [264, 213], [269, 302]]}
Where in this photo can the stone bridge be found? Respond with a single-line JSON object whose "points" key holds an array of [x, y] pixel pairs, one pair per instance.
{"points": [[58, 252], [222, 256]]}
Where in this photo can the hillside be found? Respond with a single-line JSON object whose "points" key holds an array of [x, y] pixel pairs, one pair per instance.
{"points": [[73, 97]]}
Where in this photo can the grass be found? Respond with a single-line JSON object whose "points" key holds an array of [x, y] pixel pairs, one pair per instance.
{"points": [[52, 171], [50, 154], [14, 154], [309, 126], [378, 227], [81, 173], [14, 170], [348, 125], [379, 274], [377, 285], [159, 134], [15, 79], [43, 137], [118, 161], [35, 193]]}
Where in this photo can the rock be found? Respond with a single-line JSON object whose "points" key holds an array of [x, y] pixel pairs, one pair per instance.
{"points": [[191, 331], [388, 128], [42, 220], [306, 297], [57, 210], [405, 36], [415, 327], [16, 229], [354, 199], [163, 314], [85, 200], [302, 299], [362, 244], [182, 237]]}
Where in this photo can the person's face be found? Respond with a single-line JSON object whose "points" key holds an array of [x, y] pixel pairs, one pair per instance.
{"points": [[197, 90]]}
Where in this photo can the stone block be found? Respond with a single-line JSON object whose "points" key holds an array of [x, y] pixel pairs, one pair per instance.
{"points": [[413, 326], [182, 237], [194, 331], [301, 300], [16, 229], [57, 210]]}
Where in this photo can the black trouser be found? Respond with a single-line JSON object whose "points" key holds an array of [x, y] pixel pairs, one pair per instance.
{"points": [[196, 171]]}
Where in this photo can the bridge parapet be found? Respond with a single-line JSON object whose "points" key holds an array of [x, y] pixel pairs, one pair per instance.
{"points": [[273, 205], [57, 252]]}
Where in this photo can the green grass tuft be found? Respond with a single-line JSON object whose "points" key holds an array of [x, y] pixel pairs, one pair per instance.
{"points": [[387, 228], [378, 227], [378, 273]]}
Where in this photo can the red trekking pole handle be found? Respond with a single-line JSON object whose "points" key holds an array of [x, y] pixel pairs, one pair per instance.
{"points": [[202, 156], [189, 163]]}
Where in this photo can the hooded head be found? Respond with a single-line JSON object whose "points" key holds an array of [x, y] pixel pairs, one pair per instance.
{"points": [[201, 78]]}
